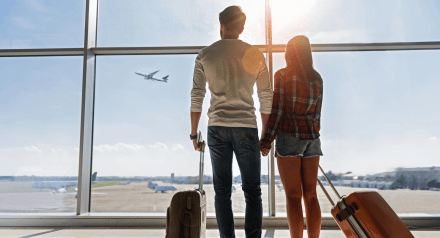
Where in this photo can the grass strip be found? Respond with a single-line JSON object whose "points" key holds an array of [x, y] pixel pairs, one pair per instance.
{"points": [[105, 184]]}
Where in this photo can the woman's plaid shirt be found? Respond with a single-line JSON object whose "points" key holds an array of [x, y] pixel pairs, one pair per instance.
{"points": [[296, 107]]}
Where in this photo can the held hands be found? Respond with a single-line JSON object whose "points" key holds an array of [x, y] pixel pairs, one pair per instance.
{"points": [[265, 151]]}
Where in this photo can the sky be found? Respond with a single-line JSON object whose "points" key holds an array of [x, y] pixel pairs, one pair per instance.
{"points": [[380, 109]]}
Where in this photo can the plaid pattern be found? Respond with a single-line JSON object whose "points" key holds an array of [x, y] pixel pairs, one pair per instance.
{"points": [[296, 107]]}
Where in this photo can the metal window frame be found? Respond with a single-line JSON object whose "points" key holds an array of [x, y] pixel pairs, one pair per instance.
{"points": [[158, 220], [169, 50], [83, 217], [87, 109]]}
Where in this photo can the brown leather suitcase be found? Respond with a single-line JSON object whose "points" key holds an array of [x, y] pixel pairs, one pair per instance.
{"points": [[366, 215], [186, 215]]}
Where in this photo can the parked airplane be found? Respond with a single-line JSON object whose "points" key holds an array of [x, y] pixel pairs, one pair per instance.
{"points": [[60, 186], [152, 185], [281, 187], [163, 189], [150, 76]]}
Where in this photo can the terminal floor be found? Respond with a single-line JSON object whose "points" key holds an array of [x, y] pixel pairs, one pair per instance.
{"points": [[106, 232]]}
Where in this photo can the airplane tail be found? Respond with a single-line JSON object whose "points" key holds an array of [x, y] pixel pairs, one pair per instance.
{"points": [[165, 78], [94, 176]]}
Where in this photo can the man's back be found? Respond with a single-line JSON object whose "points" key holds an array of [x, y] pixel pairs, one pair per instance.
{"points": [[231, 68]]}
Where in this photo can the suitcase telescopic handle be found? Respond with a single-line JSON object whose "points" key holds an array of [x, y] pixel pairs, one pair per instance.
{"points": [[202, 160], [331, 185]]}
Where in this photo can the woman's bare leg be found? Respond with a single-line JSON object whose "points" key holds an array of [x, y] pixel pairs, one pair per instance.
{"points": [[290, 173], [309, 172]]}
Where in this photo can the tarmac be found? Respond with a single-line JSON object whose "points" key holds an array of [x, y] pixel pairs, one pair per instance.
{"points": [[20, 197]]}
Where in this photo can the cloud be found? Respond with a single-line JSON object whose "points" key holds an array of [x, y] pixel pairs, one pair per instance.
{"points": [[159, 145], [339, 35], [36, 6], [31, 148], [14, 43], [39, 160], [116, 147], [23, 23], [178, 147], [433, 138]]}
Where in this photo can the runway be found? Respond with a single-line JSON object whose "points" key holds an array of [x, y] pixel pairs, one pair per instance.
{"points": [[20, 197]]}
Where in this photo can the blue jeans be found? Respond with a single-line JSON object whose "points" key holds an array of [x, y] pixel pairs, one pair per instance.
{"points": [[223, 142]]}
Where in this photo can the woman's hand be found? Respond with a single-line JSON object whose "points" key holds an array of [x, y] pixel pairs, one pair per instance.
{"points": [[265, 151]]}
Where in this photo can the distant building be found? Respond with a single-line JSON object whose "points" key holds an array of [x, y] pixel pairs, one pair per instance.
{"points": [[417, 178], [6, 178]]}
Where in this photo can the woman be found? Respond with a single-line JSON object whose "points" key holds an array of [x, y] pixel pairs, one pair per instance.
{"points": [[295, 122]]}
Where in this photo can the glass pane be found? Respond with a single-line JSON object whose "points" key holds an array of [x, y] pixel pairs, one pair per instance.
{"points": [[42, 24], [141, 136], [173, 23], [40, 115], [380, 121], [358, 21]]}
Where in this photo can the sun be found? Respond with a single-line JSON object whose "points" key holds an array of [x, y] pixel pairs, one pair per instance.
{"points": [[288, 11]]}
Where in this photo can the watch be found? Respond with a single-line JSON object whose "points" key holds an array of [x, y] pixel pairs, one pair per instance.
{"points": [[193, 137]]}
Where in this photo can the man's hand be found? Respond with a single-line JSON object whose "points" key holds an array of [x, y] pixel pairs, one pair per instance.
{"points": [[195, 118], [197, 145]]}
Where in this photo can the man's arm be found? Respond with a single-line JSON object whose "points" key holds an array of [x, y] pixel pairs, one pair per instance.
{"points": [[197, 95], [265, 94], [195, 118], [264, 89], [264, 120]]}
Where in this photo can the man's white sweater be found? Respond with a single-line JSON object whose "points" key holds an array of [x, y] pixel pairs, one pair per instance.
{"points": [[231, 68]]}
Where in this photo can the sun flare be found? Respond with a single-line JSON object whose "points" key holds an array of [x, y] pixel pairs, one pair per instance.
{"points": [[287, 11]]}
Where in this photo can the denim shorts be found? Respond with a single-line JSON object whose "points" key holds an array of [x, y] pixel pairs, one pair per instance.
{"points": [[287, 145]]}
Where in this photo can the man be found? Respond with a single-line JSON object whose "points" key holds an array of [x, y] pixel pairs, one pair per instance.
{"points": [[231, 68]]}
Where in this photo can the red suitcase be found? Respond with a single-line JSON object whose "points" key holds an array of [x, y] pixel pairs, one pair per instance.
{"points": [[366, 215]]}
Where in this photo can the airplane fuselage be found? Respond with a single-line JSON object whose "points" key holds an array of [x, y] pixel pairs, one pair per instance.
{"points": [[164, 189], [55, 185]]}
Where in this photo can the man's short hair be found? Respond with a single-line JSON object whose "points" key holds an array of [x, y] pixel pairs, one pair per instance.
{"points": [[233, 18]]}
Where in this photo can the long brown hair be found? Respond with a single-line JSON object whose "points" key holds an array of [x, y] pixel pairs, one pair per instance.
{"points": [[299, 57]]}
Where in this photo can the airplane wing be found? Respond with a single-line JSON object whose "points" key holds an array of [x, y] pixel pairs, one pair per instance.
{"points": [[159, 80], [151, 75], [141, 74]]}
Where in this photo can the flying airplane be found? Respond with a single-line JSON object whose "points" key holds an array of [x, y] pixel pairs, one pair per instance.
{"points": [[60, 186], [147, 76], [150, 76], [163, 189]]}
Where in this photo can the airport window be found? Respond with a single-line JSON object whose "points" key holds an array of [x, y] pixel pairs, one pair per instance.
{"points": [[41, 24], [141, 136], [172, 23], [361, 21], [380, 127], [39, 133], [372, 125]]}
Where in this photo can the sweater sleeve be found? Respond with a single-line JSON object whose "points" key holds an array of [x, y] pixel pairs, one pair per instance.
{"points": [[264, 89], [277, 114], [199, 86]]}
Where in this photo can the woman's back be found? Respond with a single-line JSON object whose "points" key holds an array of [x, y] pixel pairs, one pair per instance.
{"points": [[300, 100], [301, 93]]}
